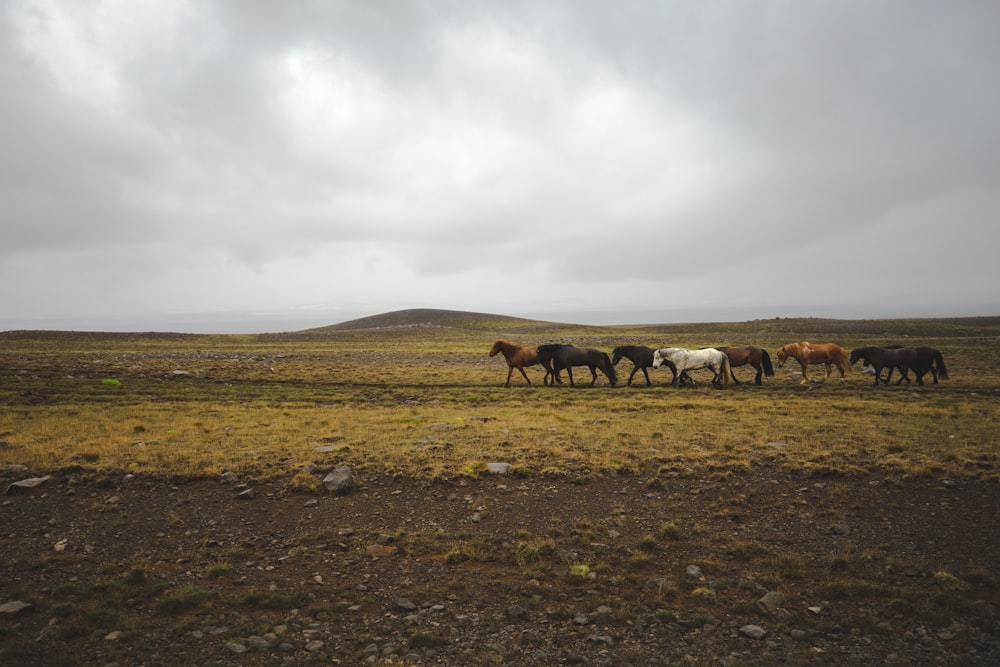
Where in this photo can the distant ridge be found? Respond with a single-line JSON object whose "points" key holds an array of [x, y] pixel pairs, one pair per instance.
{"points": [[423, 317]]}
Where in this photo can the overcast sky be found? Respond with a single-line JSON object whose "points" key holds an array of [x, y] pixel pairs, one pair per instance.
{"points": [[240, 166]]}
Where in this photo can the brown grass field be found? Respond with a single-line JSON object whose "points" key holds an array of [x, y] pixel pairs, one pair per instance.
{"points": [[411, 401]]}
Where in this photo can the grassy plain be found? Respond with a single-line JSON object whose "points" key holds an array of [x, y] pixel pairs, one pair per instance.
{"points": [[870, 510], [424, 400]]}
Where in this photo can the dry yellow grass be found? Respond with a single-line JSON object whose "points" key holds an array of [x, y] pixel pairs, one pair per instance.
{"points": [[428, 402]]}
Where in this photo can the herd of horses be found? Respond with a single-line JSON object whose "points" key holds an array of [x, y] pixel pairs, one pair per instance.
{"points": [[556, 357]]}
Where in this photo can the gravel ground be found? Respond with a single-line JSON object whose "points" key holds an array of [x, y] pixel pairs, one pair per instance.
{"points": [[502, 570]]}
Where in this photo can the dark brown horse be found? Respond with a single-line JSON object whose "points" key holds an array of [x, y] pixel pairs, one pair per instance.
{"points": [[569, 356], [893, 358], [928, 360], [920, 360], [749, 354], [546, 356], [828, 354]]}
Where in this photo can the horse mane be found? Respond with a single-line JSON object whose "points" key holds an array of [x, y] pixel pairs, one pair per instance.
{"points": [[609, 369]]}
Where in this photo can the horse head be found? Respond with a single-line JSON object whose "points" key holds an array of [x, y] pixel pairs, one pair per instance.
{"points": [[616, 356], [498, 345], [781, 356]]}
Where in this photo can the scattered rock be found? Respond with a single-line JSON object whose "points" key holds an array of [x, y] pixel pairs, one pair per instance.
{"points": [[515, 611], [498, 468], [694, 575], [14, 607], [340, 480], [771, 602], [405, 603], [753, 631], [246, 494], [380, 551], [28, 483], [235, 648]]}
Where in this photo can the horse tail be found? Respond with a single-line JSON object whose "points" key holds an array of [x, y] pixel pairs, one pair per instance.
{"points": [[765, 359], [939, 360], [842, 361], [727, 370], [609, 369]]}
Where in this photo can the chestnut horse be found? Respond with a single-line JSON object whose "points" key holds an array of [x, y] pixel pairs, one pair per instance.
{"points": [[828, 354], [749, 354], [518, 357]]}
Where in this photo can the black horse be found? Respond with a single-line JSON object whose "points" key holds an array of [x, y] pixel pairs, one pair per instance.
{"points": [[893, 358], [921, 360], [546, 357], [568, 356], [642, 358], [928, 360]]}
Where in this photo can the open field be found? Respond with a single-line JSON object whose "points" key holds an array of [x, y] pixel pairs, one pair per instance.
{"points": [[870, 510]]}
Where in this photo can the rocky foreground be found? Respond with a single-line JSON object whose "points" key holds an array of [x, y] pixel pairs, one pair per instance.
{"points": [[762, 567]]}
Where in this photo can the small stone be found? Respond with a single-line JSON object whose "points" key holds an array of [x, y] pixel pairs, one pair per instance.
{"points": [[340, 480], [246, 494], [771, 602], [498, 468], [753, 631], [28, 483], [111, 636], [814, 610], [234, 647], [515, 611], [14, 607], [694, 575], [380, 551]]}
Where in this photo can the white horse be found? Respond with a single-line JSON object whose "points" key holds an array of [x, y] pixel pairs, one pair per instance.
{"points": [[687, 360]]}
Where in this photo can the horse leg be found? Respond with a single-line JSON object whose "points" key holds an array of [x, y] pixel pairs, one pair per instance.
{"points": [[649, 384], [805, 375], [510, 369], [569, 371], [760, 373], [632, 374], [593, 376], [524, 374]]}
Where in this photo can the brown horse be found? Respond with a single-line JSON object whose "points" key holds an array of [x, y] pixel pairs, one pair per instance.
{"points": [[749, 354], [828, 354], [518, 357]]}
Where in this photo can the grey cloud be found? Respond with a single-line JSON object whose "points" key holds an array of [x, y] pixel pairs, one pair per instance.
{"points": [[597, 143]]}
